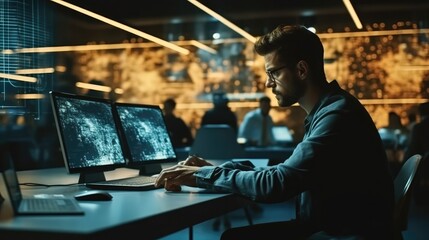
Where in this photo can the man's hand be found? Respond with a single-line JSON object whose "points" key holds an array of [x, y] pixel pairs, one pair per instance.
{"points": [[173, 177], [195, 161]]}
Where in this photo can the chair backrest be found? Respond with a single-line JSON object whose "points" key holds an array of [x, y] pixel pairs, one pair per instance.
{"points": [[404, 183], [216, 141]]}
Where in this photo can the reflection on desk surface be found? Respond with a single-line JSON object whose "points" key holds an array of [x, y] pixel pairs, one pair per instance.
{"points": [[276, 153]]}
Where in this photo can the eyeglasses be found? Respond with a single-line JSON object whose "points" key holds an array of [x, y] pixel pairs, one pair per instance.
{"points": [[273, 73]]}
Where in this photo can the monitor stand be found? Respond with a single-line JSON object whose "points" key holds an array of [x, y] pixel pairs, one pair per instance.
{"points": [[150, 169], [91, 177]]}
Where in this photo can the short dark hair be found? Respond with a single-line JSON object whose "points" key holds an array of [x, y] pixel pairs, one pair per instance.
{"points": [[265, 99], [170, 102], [293, 43]]}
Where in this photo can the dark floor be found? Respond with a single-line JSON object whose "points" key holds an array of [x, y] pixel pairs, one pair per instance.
{"points": [[418, 228]]}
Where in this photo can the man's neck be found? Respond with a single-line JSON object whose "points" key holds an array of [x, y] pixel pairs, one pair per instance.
{"points": [[312, 96]]}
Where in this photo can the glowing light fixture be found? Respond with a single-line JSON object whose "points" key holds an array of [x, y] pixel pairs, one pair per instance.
{"points": [[224, 21], [94, 47], [119, 91], [79, 48], [124, 27], [95, 87], [202, 46], [373, 33], [353, 13], [18, 77], [30, 96], [35, 71]]}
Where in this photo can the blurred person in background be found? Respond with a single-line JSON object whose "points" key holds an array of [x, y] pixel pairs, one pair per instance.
{"points": [[419, 144], [419, 137], [180, 133], [257, 125], [221, 113]]}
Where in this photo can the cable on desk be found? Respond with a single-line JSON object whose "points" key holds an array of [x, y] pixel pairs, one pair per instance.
{"points": [[30, 184]]}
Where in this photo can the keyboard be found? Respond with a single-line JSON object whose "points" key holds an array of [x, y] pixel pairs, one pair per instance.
{"points": [[49, 206], [132, 183]]}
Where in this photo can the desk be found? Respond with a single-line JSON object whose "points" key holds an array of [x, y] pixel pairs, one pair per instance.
{"points": [[151, 214], [275, 153]]}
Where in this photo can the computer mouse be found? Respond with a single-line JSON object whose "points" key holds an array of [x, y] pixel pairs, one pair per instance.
{"points": [[93, 195]]}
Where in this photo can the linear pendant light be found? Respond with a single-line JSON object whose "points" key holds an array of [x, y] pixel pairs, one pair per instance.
{"points": [[124, 27], [224, 21]]}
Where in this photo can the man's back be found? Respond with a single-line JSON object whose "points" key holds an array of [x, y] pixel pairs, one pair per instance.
{"points": [[349, 186], [180, 134], [419, 139], [220, 115], [251, 128]]}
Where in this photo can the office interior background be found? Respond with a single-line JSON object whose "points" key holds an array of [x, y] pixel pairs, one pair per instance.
{"points": [[147, 51]]}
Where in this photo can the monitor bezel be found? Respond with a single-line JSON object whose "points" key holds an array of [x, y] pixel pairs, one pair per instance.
{"points": [[133, 163], [64, 150]]}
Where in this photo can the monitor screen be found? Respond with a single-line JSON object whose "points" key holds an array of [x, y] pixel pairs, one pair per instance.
{"points": [[89, 137], [145, 136]]}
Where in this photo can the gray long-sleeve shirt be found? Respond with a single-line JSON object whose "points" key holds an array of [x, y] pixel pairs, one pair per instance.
{"points": [[339, 170]]}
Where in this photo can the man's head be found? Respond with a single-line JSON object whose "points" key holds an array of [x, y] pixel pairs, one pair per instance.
{"points": [[293, 59], [220, 99], [265, 105], [169, 106]]}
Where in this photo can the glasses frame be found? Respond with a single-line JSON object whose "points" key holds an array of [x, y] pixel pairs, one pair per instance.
{"points": [[270, 73]]}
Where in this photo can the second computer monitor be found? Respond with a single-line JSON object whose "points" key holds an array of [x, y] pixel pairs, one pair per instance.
{"points": [[145, 135]]}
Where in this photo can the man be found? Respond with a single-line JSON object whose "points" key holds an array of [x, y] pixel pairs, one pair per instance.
{"points": [[419, 136], [418, 143], [180, 133], [221, 113], [257, 125], [343, 188]]}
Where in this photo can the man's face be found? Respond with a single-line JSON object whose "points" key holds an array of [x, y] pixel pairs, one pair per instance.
{"points": [[283, 81]]}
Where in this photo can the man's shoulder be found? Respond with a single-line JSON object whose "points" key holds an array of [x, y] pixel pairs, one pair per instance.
{"points": [[252, 113]]}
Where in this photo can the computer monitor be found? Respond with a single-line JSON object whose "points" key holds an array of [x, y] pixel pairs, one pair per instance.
{"points": [[88, 135], [146, 139]]}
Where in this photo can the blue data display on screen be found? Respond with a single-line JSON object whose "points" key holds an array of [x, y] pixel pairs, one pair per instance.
{"points": [[146, 133], [89, 133]]}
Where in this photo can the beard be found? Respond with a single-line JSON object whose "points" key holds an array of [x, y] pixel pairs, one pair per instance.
{"points": [[286, 100], [291, 94]]}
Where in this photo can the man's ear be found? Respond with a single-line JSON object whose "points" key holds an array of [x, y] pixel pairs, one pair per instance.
{"points": [[302, 69]]}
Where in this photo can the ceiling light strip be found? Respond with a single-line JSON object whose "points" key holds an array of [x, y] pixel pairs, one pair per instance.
{"points": [[78, 48], [353, 13], [18, 77], [203, 47], [94, 47], [224, 21], [35, 71], [93, 87], [30, 96], [124, 27], [373, 33]]}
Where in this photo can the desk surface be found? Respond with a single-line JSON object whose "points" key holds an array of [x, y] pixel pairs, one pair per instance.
{"points": [[275, 153], [153, 213]]}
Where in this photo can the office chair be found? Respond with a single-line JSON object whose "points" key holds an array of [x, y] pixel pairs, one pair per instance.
{"points": [[218, 142], [404, 184]]}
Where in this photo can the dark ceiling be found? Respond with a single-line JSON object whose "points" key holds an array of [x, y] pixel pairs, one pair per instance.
{"points": [[163, 17]]}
